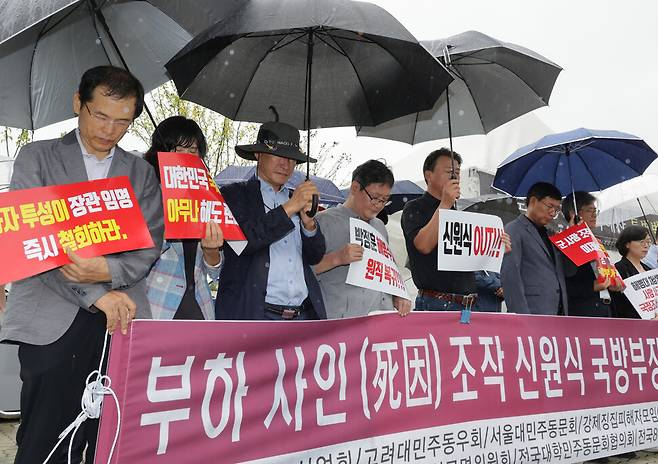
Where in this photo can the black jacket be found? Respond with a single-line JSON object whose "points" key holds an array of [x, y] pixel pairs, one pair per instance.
{"points": [[621, 307], [243, 279]]}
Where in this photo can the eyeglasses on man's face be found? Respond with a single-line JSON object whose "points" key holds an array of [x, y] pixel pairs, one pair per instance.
{"points": [[552, 209], [590, 210], [103, 119], [378, 202]]}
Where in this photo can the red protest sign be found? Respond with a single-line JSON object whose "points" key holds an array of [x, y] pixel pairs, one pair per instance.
{"points": [[91, 218], [577, 243], [191, 199], [606, 270]]}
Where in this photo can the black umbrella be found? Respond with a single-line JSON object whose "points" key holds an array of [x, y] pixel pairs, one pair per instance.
{"points": [[46, 45], [495, 82], [320, 63], [496, 204]]}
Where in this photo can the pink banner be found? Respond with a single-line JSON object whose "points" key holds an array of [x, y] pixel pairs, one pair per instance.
{"points": [[420, 389]]}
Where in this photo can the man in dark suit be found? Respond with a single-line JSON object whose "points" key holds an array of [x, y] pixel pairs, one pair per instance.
{"points": [[272, 278], [532, 273], [59, 317]]}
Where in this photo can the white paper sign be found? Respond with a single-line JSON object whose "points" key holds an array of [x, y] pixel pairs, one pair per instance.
{"points": [[469, 241], [377, 269], [642, 291]]}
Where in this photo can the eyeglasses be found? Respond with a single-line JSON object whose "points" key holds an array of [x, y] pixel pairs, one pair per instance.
{"points": [[646, 241], [378, 202], [554, 210], [122, 124], [591, 210]]}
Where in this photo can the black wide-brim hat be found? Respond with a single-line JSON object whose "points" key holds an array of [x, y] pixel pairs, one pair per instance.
{"points": [[275, 138]]}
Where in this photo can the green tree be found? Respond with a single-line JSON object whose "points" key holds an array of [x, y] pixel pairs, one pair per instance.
{"points": [[221, 133], [13, 139]]}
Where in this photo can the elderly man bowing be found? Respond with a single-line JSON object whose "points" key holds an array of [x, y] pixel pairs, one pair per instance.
{"points": [[272, 278]]}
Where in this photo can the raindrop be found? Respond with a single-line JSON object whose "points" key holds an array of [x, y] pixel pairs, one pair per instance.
{"points": [[127, 45], [231, 52], [404, 199], [231, 95], [141, 20], [377, 91], [461, 112], [561, 163], [226, 63], [503, 181], [98, 41], [628, 161], [267, 265], [439, 122]]}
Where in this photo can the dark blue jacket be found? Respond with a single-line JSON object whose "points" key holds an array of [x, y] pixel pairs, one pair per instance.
{"points": [[487, 283], [243, 279]]}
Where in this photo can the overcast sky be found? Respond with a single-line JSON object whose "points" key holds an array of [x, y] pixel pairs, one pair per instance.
{"points": [[607, 49]]}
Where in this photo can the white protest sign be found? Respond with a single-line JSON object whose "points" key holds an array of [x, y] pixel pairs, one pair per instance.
{"points": [[642, 291], [469, 241], [377, 269]]}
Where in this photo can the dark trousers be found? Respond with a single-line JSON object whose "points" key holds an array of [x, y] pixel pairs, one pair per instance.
{"points": [[54, 378]]}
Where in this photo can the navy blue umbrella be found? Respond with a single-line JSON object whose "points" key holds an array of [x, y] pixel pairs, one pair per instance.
{"points": [[581, 159], [329, 193]]}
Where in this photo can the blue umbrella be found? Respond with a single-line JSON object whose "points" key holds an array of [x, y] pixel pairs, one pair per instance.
{"points": [[329, 193], [402, 192], [580, 159]]}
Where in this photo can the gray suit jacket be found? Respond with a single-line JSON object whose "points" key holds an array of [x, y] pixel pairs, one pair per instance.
{"points": [[532, 281], [41, 308]]}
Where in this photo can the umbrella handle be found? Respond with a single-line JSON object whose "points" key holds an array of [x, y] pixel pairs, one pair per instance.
{"points": [[314, 206]]}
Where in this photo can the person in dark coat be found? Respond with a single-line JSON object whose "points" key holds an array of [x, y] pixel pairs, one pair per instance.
{"points": [[632, 244], [490, 291], [586, 296], [272, 279]]}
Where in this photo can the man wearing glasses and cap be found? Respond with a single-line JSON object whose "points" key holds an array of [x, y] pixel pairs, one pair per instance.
{"points": [[533, 274], [369, 193], [272, 278]]}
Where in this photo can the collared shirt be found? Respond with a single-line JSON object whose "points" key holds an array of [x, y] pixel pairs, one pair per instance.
{"points": [[416, 214], [341, 299], [285, 279], [96, 169]]}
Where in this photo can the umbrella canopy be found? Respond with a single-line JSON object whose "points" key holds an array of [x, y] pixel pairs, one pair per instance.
{"points": [[402, 192], [495, 82], [632, 202], [45, 46], [580, 159], [352, 63], [329, 193], [496, 204]]}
